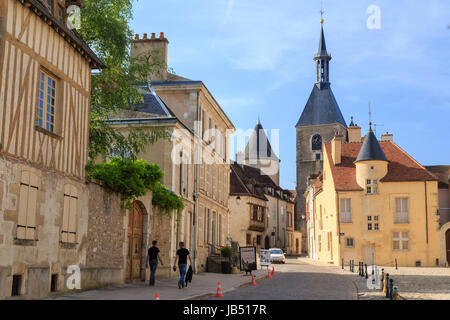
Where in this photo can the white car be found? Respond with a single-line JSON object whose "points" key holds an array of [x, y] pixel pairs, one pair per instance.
{"points": [[277, 255]]}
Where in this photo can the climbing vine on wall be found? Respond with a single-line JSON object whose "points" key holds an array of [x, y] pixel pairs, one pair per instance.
{"points": [[133, 179]]}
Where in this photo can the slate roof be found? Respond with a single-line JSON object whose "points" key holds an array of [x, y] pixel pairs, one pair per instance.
{"points": [[321, 108], [152, 103], [401, 167], [241, 175], [371, 149], [322, 52], [258, 146], [442, 173]]}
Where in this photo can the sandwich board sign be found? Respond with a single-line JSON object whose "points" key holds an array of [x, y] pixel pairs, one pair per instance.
{"points": [[264, 258], [247, 257]]}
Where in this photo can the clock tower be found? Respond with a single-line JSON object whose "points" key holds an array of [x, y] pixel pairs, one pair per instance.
{"points": [[320, 120]]}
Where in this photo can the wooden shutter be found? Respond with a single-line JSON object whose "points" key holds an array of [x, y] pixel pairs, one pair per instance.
{"points": [[26, 224], [69, 225], [73, 214], [23, 204], [66, 214]]}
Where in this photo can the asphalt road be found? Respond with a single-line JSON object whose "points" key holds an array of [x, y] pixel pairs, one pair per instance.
{"points": [[298, 281]]}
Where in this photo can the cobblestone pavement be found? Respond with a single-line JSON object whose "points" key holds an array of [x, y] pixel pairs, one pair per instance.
{"points": [[413, 283], [167, 289], [297, 280]]}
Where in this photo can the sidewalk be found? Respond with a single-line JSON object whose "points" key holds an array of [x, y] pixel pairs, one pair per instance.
{"points": [[203, 285], [413, 283]]}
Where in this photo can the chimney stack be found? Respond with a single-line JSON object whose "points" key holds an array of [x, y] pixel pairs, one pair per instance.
{"points": [[156, 49], [336, 148], [354, 133], [387, 137]]}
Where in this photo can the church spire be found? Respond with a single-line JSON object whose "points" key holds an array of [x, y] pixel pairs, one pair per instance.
{"points": [[322, 58]]}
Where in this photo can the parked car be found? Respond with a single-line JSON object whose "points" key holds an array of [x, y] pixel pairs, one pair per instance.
{"points": [[277, 255]]}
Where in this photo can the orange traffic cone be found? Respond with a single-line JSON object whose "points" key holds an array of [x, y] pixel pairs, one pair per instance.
{"points": [[269, 275], [273, 271], [157, 296], [253, 283], [219, 291]]}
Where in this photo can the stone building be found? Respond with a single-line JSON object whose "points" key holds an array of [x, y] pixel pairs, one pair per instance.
{"points": [[45, 71], [320, 119], [375, 203], [261, 213], [443, 174], [195, 160]]}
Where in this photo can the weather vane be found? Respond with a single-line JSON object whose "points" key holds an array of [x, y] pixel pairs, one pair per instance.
{"points": [[321, 12]]}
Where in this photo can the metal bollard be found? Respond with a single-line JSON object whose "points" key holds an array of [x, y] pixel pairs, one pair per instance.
{"points": [[391, 289], [373, 275], [366, 272], [382, 279], [386, 285], [396, 266], [395, 292], [342, 264]]}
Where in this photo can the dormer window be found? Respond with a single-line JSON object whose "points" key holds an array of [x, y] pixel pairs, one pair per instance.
{"points": [[371, 186]]}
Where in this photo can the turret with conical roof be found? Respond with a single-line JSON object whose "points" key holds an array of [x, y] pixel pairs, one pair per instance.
{"points": [[371, 149], [371, 164]]}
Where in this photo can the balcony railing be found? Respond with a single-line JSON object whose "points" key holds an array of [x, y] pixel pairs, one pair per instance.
{"points": [[257, 226]]}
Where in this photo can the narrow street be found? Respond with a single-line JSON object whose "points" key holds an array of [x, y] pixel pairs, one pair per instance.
{"points": [[296, 280]]}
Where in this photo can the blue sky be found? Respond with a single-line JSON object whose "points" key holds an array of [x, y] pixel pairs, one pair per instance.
{"points": [[255, 56]]}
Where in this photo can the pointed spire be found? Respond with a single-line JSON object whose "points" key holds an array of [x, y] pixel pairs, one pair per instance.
{"points": [[352, 124], [371, 149], [322, 44]]}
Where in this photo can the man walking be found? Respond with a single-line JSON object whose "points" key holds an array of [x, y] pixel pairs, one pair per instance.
{"points": [[153, 256], [182, 255]]}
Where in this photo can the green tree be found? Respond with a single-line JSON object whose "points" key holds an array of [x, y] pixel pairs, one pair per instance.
{"points": [[105, 28]]}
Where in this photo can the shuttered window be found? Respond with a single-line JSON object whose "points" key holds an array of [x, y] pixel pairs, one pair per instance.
{"points": [[346, 212], [401, 210], [26, 224], [69, 224]]}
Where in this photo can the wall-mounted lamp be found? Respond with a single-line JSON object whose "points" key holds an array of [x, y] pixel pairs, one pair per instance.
{"points": [[238, 200]]}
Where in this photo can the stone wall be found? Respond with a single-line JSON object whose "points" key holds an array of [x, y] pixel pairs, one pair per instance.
{"points": [[36, 260]]}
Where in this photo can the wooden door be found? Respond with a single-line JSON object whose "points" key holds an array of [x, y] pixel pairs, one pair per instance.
{"points": [[369, 255], [296, 246], [447, 236], [267, 243], [134, 252]]}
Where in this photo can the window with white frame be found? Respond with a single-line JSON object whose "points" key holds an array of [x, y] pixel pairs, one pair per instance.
{"points": [[349, 242], [373, 223], [401, 210], [45, 113], [346, 213], [371, 186], [400, 240]]}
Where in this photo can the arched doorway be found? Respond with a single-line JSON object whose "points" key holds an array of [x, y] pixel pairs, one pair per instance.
{"points": [[135, 235], [267, 242], [447, 237]]}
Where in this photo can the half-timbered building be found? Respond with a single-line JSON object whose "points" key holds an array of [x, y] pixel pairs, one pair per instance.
{"points": [[45, 72]]}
